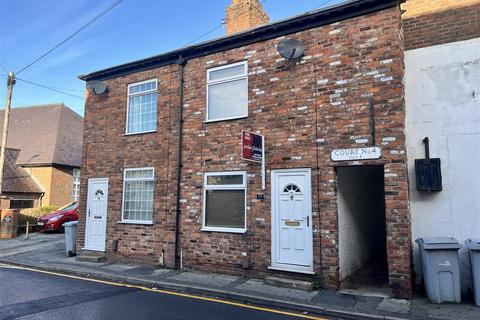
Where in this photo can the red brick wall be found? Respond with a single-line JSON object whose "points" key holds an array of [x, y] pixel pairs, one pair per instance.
{"points": [[107, 151], [434, 22], [303, 108]]}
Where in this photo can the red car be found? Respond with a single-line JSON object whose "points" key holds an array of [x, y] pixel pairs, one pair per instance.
{"points": [[53, 221]]}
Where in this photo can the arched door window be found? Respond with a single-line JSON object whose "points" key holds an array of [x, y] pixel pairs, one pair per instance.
{"points": [[292, 189]]}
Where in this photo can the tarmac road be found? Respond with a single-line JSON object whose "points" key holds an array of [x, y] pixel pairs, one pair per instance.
{"points": [[26, 294]]}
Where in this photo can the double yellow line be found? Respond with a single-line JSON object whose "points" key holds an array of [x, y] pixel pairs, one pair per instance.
{"points": [[172, 293]]}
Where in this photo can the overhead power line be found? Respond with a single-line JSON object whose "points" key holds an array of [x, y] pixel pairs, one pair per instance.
{"points": [[49, 88], [4, 69], [321, 5], [64, 89], [219, 26], [116, 3], [246, 11]]}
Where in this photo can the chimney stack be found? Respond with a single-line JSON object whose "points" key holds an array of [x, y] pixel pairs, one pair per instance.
{"points": [[245, 14]]}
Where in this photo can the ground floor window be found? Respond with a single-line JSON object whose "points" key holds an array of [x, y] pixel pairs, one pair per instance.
{"points": [[21, 204], [225, 202], [138, 186]]}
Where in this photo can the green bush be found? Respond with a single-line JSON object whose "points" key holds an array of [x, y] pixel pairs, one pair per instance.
{"points": [[32, 215]]}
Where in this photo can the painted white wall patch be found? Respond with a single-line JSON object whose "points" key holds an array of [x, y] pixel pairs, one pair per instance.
{"points": [[356, 153]]}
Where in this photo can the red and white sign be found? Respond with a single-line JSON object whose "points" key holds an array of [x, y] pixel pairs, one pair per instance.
{"points": [[252, 146], [253, 149]]}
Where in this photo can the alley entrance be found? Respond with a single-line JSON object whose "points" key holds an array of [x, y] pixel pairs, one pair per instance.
{"points": [[362, 229]]}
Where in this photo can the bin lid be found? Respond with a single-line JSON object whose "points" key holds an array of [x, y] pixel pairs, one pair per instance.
{"points": [[473, 244], [433, 243], [70, 224]]}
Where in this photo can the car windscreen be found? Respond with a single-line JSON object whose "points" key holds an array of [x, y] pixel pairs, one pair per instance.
{"points": [[68, 207]]}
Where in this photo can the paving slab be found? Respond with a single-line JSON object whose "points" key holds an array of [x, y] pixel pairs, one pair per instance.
{"points": [[120, 267], [259, 287], [204, 279], [329, 297], [394, 305]]}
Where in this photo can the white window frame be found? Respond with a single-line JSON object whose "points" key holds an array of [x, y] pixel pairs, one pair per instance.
{"points": [[147, 222], [225, 80], [206, 187], [76, 184], [139, 94]]}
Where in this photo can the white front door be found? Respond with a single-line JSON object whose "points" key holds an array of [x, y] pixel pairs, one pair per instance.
{"points": [[292, 239], [96, 222]]}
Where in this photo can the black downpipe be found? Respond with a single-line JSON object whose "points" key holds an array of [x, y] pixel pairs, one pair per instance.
{"points": [[181, 62], [371, 103]]}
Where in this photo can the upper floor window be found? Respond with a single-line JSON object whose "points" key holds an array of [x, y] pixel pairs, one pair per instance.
{"points": [[142, 107], [227, 92]]}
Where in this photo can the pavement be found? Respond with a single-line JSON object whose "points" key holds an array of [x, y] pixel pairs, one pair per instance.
{"points": [[47, 252], [37, 295]]}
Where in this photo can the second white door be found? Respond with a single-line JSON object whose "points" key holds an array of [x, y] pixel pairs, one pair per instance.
{"points": [[292, 240]]}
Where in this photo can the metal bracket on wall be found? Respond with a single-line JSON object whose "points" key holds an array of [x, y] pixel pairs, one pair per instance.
{"points": [[426, 141]]}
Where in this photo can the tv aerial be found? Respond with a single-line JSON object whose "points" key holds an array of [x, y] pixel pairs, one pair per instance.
{"points": [[290, 49], [96, 87]]}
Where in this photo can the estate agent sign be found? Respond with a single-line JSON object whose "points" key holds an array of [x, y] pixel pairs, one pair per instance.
{"points": [[253, 149], [252, 146], [356, 154]]}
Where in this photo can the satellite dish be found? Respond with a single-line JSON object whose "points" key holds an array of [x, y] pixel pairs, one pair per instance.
{"points": [[290, 49], [96, 87]]}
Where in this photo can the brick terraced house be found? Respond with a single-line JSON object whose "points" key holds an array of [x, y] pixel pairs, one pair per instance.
{"points": [[163, 180]]}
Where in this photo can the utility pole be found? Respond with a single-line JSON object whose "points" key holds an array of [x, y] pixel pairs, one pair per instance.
{"points": [[10, 83]]}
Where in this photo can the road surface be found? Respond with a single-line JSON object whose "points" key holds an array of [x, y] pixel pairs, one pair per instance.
{"points": [[27, 294]]}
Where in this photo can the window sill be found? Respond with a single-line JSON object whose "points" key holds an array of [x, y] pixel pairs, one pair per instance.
{"points": [[137, 133], [145, 223], [226, 119], [225, 230]]}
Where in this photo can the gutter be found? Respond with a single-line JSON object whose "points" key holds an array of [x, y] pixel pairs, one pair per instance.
{"points": [[178, 265]]}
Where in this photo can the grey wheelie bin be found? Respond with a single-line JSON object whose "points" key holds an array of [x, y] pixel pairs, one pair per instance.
{"points": [[441, 273], [70, 237], [473, 246]]}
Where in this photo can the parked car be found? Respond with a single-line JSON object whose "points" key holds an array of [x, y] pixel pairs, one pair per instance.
{"points": [[53, 221]]}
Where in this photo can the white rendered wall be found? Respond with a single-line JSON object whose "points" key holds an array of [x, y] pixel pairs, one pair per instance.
{"points": [[442, 91]]}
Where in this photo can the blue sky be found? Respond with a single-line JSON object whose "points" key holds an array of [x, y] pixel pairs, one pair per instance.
{"points": [[133, 30]]}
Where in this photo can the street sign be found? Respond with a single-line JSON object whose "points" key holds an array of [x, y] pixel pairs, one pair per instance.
{"points": [[252, 146], [356, 154]]}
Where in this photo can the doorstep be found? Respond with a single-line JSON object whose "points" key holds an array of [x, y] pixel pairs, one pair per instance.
{"points": [[91, 256]]}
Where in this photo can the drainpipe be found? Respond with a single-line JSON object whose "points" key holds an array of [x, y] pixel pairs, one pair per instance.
{"points": [[41, 199], [181, 62]]}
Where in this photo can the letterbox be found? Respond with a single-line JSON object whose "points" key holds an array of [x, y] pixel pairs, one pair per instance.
{"points": [[428, 174], [428, 171]]}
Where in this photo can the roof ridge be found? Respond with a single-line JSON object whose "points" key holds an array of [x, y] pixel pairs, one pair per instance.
{"points": [[55, 104]]}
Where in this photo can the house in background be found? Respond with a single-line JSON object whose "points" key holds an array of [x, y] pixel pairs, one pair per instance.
{"points": [[20, 190], [45, 144]]}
